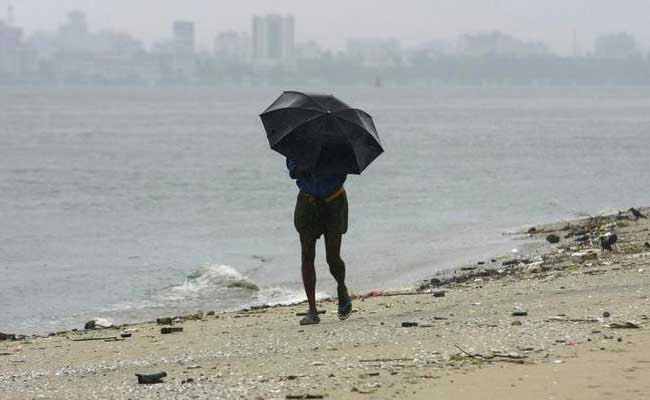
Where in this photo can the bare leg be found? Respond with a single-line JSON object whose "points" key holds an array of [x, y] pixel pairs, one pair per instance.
{"points": [[308, 245], [336, 264]]}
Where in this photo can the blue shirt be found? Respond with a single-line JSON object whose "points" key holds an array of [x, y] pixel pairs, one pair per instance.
{"points": [[319, 186]]}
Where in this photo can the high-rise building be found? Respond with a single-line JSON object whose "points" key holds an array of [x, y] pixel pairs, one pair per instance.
{"points": [[183, 37], [74, 36], [183, 44], [273, 40], [232, 47], [620, 46]]}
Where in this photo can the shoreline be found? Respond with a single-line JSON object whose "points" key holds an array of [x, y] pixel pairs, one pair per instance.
{"points": [[549, 310], [533, 247]]}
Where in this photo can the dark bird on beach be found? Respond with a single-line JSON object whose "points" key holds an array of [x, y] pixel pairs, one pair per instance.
{"points": [[607, 241], [637, 214]]}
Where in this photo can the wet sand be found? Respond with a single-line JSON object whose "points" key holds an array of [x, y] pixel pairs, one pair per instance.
{"points": [[466, 345]]}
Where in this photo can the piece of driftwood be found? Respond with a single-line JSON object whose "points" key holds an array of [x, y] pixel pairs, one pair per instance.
{"points": [[385, 359], [304, 396], [498, 357], [95, 339]]}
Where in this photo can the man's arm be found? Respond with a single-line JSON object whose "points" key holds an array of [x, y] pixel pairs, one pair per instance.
{"points": [[296, 171]]}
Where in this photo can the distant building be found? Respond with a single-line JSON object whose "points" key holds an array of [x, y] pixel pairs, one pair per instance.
{"points": [[17, 61], [620, 46], [232, 47], [273, 41], [375, 53], [309, 51], [498, 44], [73, 35], [183, 47]]}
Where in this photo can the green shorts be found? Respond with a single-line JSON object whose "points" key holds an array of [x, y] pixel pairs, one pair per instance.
{"points": [[315, 217]]}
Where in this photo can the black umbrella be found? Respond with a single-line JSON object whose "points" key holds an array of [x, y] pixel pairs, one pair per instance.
{"points": [[322, 133]]}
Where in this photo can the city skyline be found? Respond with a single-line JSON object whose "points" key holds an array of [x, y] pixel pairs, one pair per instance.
{"points": [[414, 23]]}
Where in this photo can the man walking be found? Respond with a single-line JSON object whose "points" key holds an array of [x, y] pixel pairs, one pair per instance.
{"points": [[321, 209]]}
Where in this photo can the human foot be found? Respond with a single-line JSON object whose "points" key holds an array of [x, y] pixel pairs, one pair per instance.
{"points": [[345, 303], [311, 318]]}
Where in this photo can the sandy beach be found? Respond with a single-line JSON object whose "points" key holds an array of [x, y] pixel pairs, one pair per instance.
{"points": [[580, 332]]}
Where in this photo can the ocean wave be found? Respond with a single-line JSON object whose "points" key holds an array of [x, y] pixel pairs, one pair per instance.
{"points": [[210, 281]]}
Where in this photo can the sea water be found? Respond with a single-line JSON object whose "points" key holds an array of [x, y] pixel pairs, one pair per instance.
{"points": [[130, 204]]}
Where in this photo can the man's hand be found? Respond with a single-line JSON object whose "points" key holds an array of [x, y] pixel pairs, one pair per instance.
{"points": [[297, 171]]}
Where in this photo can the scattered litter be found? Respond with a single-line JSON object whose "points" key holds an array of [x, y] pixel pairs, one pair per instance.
{"points": [[149, 379], [519, 312], [169, 330], [625, 325]]}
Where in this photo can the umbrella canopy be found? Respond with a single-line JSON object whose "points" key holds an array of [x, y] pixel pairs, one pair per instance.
{"points": [[321, 133]]}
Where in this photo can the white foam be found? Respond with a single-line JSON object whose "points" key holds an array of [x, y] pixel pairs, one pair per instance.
{"points": [[209, 279]]}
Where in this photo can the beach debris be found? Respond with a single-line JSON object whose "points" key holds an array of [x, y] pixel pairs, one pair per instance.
{"points": [[553, 239], [532, 230], [187, 381], [169, 330], [439, 293], [606, 314], [125, 335], [317, 363], [97, 339], [468, 268], [515, 261], [519, 312], [409, 324], [99, 323], [193, 317], [7, 336], [582, 256], [384, 360], [625, 325], [304, 396], [637, 214], [516, 323], [495, 356], [367, 388], [608, 241], [149, 379], [164, 321]]}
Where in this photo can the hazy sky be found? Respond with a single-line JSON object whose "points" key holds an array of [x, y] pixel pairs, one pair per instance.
{"points": [[332, 22]]}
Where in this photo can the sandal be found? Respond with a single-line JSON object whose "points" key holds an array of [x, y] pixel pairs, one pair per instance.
{"points": [[311, 318]]}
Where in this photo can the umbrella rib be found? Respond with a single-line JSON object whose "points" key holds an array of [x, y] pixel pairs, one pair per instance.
{"points": [[354, 123], [265, 113], [359, 126], [347, 139], [300, 125]]}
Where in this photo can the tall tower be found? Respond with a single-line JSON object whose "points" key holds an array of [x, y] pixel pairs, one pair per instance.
{"points": [[273, 40], [10, 15]]}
